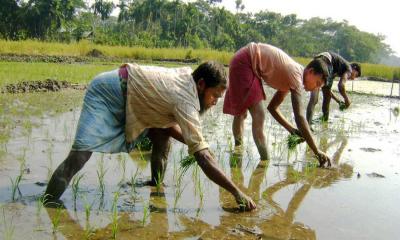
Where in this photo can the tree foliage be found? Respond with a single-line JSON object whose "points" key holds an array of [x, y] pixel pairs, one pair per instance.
{"points": [[174, 23]]}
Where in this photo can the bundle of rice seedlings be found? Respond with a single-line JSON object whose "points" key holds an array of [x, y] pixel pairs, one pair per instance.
{"points": [[185, 163], [293, 140], [342, 106]]}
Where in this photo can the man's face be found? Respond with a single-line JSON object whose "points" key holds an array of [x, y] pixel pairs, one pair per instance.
{"points": [[209, 96], [354, 74], [312, 80]]}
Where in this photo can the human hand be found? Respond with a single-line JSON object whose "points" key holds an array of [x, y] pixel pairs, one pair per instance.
{"points": [[347, 103], [245, 202], [342, 105], [296, 134], [323, 159]]}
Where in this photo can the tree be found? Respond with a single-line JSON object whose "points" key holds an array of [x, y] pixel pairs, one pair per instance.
{"points": [[239, 5], [103, 8], [123, 10]]}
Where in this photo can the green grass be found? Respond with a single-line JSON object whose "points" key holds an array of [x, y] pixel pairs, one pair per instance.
{"points": [[32, 47], [13, 72]]}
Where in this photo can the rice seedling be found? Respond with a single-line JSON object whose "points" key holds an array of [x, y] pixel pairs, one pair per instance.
{"points": [[89, 230], [234, 160], [198, 188], [75, 187], [159, 181], [114, 216], [40, 202], [56, 220], [8, 227], [101, 172], [15, 182], [141, 155], [146, 213], [185, 163], [133, 184], [293, 140], [178, 192], [50, 160], [122, 164], [144, 144]]}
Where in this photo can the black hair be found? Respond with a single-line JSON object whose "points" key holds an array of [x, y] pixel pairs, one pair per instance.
{"points": [[357, 67], [213, 73], [320, 67]]}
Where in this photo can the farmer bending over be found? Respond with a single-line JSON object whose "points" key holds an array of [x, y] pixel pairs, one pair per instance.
{"points": [[256, 62], [124, 105], [337, 66]]}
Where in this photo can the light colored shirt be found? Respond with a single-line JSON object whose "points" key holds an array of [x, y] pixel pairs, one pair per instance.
{"points": [[159, 97], [275, 67]]}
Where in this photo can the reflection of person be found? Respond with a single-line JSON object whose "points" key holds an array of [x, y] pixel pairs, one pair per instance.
{"points": [[337, 66], [161, 102], [280, 224], [258, 61], [341, 170]]}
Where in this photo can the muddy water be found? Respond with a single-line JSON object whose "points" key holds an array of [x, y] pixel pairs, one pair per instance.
{"points": [[356, 199]]}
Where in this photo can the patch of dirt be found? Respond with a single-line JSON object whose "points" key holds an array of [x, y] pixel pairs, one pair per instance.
{"points": [[48, 85], [95, 53], [42, 58]]}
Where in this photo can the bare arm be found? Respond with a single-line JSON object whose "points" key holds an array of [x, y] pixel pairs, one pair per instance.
{"points": [[301, 121], [213, 172], [176, 132], [334, 96], [342, 89], [273, 108], [304, 128]]}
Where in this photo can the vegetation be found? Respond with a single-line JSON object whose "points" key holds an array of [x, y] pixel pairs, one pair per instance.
{"points": [[293, 140], [179, 24]]}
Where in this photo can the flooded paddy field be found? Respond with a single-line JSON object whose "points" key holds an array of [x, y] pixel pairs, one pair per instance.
{"points": [[355, 199]]}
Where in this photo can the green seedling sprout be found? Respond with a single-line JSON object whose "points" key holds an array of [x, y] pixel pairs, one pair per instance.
{"points": [[146, 213], [75, 187], [114, 216], [56, 220], [159, 181], [122, 163], [101, 172], [89, 231], [133, 184], [8, 227]]}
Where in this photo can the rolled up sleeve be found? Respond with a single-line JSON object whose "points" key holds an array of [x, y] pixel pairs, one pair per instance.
{"points": [[187, 117]]}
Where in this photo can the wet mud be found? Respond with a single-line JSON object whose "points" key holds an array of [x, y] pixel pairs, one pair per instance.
{"points": [[295, 199], [48, 85]]}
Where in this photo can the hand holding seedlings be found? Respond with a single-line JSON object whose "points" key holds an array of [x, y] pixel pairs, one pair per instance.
{"points": [[294, 139], [245, 202], [323, 159], [342, 106]]}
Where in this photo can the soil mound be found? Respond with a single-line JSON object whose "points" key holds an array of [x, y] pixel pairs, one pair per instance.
{"points": [[95, 53], [48, 85]]}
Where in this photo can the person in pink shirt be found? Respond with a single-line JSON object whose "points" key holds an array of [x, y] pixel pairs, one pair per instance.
{"points": [[256, 62]]}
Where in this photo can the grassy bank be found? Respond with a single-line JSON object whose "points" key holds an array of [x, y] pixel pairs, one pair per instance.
{"points": [[82, 48], [30, 47], [14, 72]]}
